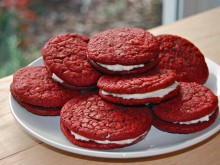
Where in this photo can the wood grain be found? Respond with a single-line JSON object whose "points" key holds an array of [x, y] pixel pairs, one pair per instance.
{"points": [[17, 147]]}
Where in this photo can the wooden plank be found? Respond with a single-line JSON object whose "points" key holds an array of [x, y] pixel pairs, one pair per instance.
{"points": [[13, 138]]}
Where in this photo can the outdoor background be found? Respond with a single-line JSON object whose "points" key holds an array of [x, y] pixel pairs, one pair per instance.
{"points": [[25, 25]]}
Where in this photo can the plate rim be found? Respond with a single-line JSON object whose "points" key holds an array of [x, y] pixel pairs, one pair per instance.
{"points": [[120, 154]]}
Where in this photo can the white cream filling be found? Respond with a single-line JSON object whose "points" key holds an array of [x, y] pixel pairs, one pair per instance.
{"points": [[127, 141], [56, 78], [202, 119], [118, 67], [158, 93]]}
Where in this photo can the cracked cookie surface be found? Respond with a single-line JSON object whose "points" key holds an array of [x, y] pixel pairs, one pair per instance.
{"points": [[66, 56], [193, 101], [93, 118], [123, 51], [151, 87], [33, 84], [183, 57], [140, 83], [125, 46]]}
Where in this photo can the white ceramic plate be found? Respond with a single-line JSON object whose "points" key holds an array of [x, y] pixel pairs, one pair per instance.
{"points": [[156, 142]]}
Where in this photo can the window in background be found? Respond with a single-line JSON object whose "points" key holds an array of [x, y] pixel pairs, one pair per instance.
{"points": [[91, 16], [177, 9]]}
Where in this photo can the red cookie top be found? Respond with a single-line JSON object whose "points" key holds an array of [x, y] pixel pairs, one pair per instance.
{"points": [[90, 116], [183, 57], [193, 102], [146, 82], [65, 55], [124, 46], [33, 85]]}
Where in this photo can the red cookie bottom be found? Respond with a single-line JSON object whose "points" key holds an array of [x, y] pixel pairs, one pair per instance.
{"points": [[72, 87], [92, 144], [155, 100], [184, 128], [147, 66], [38, 110]]}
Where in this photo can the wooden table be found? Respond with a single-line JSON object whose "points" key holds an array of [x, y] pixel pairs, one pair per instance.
{"points": [[18, 147]]}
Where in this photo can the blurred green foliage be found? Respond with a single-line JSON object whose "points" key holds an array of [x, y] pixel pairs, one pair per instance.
{"points": [[11, 57], [14, 19]]}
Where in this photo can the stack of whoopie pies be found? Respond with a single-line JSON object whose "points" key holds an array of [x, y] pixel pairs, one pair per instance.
{"points": [[138, 80]]}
